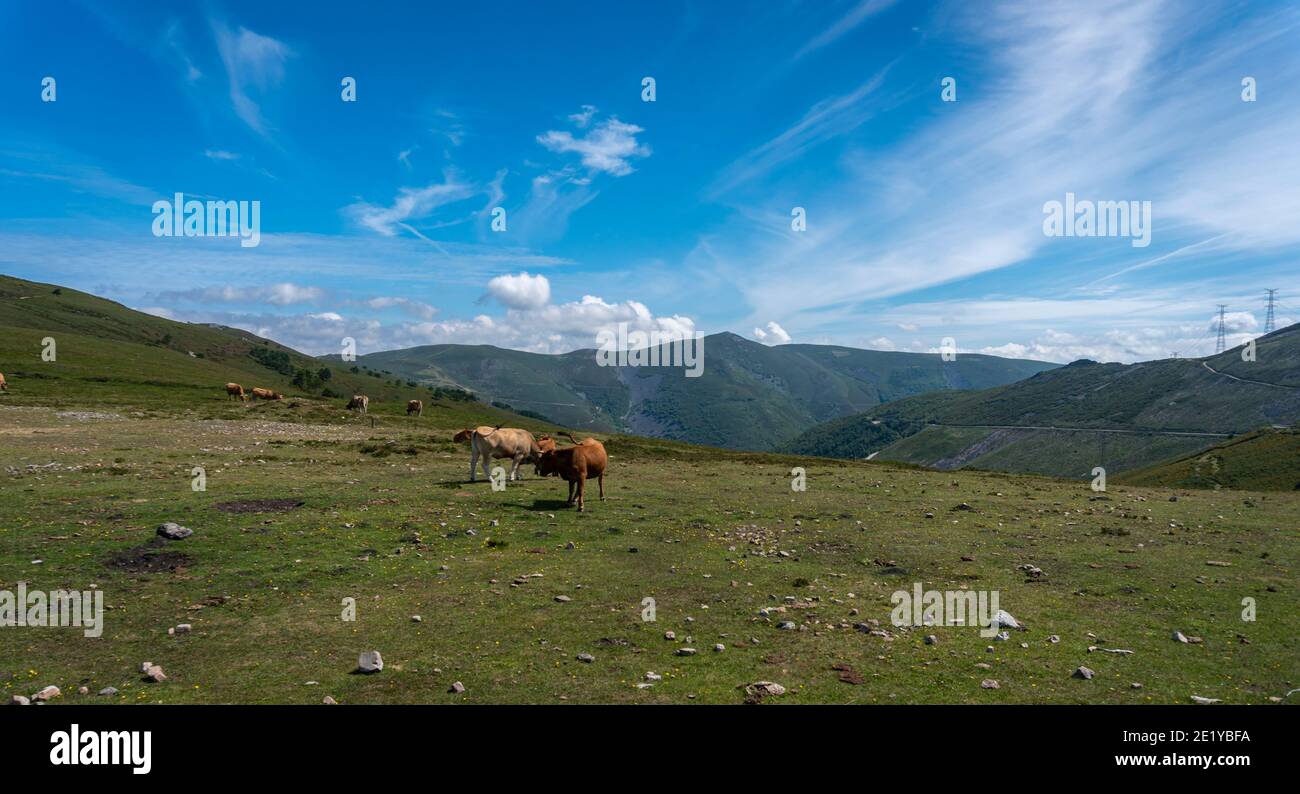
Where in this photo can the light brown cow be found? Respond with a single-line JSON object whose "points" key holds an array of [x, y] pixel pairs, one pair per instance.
{"points": [[266, 394], [499, 442], [576, 464], [3, 386], [234, 390], [360, 403], [415, 407]]}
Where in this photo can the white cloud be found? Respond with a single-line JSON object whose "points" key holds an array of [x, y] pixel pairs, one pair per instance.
{"points": [[254, 65], [607, 148], [284, 294], [583, 118], [412, 307], [774, 335], [860, 12], [522, 291], [219, 154], [410, 204]]}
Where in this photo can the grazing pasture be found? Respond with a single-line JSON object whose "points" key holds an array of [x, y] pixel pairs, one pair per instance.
{"points": [[307, 504]]}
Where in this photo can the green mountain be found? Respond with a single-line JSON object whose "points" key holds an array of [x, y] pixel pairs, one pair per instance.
{"points": [[105, 351], [1068, 420], [750, 396], [1266, 460]]}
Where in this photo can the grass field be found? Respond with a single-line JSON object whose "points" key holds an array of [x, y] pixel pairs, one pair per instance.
{"points": [[387, 518]]}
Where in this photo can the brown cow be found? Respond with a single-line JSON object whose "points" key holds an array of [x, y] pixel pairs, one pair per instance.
{"points": [[3, 386], [415, 407], [234, 390], [499, 442], [359, 402], [575, 464], [266, 394]]}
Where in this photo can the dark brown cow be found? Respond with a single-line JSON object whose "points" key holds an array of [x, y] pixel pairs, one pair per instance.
{"points": [[575, 464]]}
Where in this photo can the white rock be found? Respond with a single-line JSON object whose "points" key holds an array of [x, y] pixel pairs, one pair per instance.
{"points": [[370, 662]]}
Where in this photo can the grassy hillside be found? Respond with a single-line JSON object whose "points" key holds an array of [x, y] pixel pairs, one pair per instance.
{"points": [[750, 396], [305, 506], [1268, 460], [1023, 426], [105, 351], [382, 515]]}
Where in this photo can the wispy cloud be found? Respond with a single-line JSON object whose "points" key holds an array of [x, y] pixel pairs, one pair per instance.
{"points": [[254, 65], [410, 204], [861, 11], [608, 147]]}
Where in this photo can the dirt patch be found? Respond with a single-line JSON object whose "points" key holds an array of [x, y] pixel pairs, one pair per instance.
{"points": [[259, 506], [152, 557]]}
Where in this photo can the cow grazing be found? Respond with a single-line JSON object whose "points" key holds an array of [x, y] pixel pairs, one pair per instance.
{"points": [[415, 407], [359, 403], [576, 464], [235, 391], [3, 386], [499, 442], [266, 394]]}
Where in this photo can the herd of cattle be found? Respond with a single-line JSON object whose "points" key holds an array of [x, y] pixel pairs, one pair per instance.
{"points": [[584, 460]]}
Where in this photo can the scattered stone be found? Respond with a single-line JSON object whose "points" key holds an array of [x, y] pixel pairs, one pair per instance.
{"points": [[670, 635], [586, 657], [1180, 637], [653, 676], [329, 701], [685, 651], [930, 639], [173, 531], [760, 689], [154, 674], [719, 648], [370, 662], [83, 690], [1003, 636], [1003, 619], [989, 683], [108, 691], [1053, 639], [1218, 563], [563, 599], [787, 625], [19, 700], [1084, 673], [1204, 701], [1135, 685], [416, 619], [184, 628], [984, 665], [456, 688]]}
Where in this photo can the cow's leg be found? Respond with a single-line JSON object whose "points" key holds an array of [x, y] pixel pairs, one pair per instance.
{"points": [[473, 459], [582, 487], [514, 470], [601, 480], [487, 461], [569, 501]]}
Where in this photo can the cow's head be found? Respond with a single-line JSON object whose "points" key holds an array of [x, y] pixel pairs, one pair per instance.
{"points": [[545, 444], [548, 463], [464, 435]]}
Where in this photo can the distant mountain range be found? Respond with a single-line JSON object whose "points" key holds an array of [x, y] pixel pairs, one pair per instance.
{"points": [[750, 396], [1068, 420]]}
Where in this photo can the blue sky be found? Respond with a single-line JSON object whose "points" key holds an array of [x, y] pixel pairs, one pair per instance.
{"points": [[924, 217]]}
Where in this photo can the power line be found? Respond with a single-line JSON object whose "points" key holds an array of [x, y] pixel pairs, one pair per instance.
{"points": [[1268, 318], [1222, 343]]}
